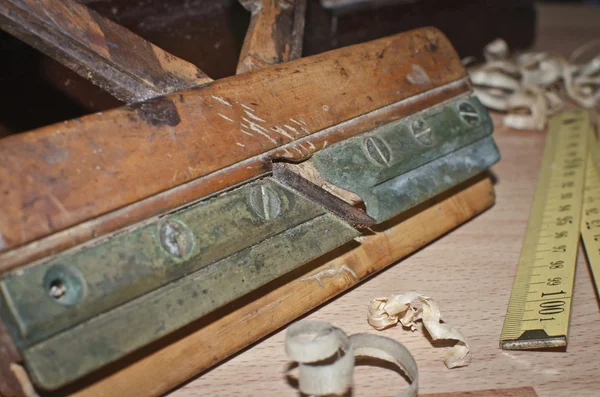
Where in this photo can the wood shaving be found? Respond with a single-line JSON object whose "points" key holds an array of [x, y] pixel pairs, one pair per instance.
{"points": [[387, 312], [326, 357], [535, 85]]}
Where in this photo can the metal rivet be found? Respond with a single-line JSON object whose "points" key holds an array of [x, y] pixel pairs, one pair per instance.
{"points": [[176, 238], [265, 202], [377, 150], [422, 132], [64, 284], [468, 113]]}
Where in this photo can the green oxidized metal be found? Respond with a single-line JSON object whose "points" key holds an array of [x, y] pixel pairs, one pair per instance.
{"points": [[131, 264], [85, 309], [107, 337], [406, 162]]}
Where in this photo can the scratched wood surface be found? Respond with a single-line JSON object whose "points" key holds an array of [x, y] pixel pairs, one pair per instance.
{"points": [[181, 140], [470, 273], [124, 64]]}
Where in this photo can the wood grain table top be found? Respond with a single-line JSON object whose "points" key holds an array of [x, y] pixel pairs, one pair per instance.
{"points": [[469, 272]]}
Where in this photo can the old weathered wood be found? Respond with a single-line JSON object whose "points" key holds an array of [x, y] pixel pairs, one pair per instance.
{"points": [[124, 64], [274, 35], [200, 141], [212, 339]]}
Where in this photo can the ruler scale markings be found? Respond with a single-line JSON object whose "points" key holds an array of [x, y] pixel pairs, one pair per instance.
{"points": [[590, 222], [546, 293]]}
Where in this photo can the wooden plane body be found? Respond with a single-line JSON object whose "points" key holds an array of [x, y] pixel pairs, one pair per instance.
{"points": [[130, 235]]}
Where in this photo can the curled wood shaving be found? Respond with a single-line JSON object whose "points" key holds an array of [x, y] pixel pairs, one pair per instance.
{"points": [[326, 357], [387, 312], [535, 85]]}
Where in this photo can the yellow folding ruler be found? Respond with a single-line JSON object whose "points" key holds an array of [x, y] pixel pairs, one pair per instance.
{"points": [[590, 222], [540, 301]]}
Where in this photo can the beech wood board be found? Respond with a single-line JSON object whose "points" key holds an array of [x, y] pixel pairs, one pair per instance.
{"points": [[513, 392]]}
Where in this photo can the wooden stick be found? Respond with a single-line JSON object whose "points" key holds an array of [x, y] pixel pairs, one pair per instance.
{"points": [[107, 54], [274, 35], [205, 343]]}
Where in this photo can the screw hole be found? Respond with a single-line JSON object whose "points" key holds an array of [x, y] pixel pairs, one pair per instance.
{"points": [[65, 285], [57, 289]]}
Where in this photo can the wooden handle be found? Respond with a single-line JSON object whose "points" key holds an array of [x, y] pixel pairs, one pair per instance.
{"points": [[107, 54], [274, 35]]}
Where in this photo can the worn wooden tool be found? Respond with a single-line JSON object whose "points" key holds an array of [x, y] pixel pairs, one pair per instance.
{"points": [[128, 235]]}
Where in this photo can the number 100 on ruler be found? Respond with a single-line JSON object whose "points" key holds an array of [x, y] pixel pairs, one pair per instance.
{"points": [[540, 302]]}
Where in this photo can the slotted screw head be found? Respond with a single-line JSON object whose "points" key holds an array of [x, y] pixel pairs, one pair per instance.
{"points": [[176, 238], [422, 132], [265, 202], [468, 113], [377, 150]]}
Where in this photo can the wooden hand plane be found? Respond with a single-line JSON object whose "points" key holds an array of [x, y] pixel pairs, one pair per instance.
{"points": [[177, 222]]}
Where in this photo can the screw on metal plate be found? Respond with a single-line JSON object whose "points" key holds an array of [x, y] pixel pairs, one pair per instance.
{"points": [[468, 113], [176, 238], [65, 285], [422, 132], [265, 202], [378, 150]]}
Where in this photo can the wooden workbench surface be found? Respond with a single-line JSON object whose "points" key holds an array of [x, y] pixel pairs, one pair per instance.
{"points": [[470, 273]]}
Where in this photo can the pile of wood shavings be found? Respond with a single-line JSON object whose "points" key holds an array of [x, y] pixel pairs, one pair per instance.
{"points": [[535, 85], [399, 308]]}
